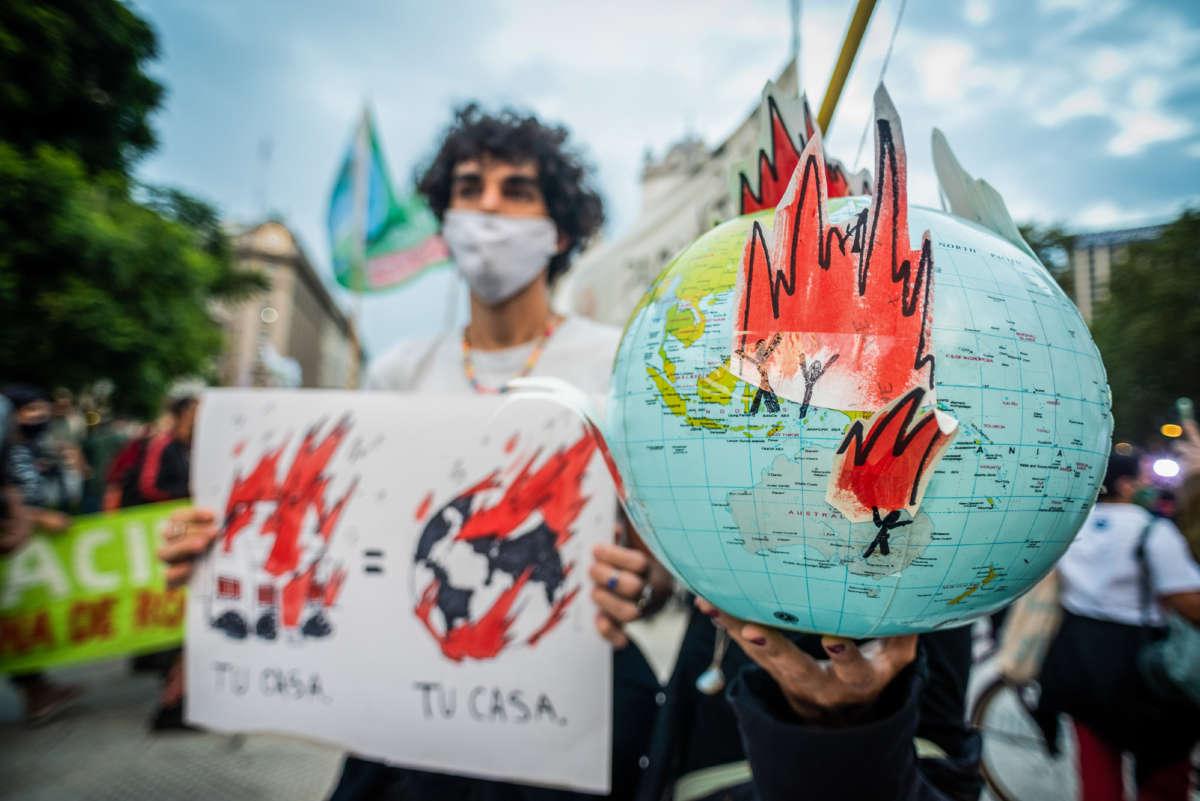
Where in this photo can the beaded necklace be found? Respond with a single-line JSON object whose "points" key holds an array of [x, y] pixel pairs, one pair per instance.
{"points": [[469, 366]]}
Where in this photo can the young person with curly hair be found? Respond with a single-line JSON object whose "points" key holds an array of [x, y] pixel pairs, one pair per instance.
{"points": [[515, 203]]}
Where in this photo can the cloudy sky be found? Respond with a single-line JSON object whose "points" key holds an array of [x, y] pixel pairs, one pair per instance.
{"points": [[1080, 111]]}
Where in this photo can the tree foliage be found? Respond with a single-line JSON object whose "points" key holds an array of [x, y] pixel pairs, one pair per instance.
{"points": [[73, 78], [1148, 330], [95, 281], [1053, 246]]}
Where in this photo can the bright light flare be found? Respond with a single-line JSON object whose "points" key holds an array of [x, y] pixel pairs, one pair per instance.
{"points": [[1171, 430], [1167, 468]]}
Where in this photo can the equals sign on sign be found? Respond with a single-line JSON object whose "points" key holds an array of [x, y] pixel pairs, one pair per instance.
{"points": [[373, 561]]}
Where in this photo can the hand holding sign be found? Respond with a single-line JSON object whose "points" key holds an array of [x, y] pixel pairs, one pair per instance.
{"points": [[190, 533]]}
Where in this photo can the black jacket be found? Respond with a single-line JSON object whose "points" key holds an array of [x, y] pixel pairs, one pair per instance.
{"points": [[697, 731], [876, 760]]}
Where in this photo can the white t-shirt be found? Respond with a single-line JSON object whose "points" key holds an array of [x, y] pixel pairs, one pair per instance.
{"points": [[579, 351], [1101, 574]]}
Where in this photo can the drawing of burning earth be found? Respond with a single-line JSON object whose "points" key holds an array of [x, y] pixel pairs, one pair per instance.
{"points": [[281, 520], [489, 569]]}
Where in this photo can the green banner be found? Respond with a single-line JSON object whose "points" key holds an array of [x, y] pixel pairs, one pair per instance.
{"points": [[94, 591]]}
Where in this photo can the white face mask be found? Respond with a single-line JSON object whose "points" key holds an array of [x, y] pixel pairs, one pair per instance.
{"points": [[496, 254]]}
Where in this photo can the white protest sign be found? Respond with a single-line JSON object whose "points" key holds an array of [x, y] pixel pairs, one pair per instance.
{"points": [[402, 575]]}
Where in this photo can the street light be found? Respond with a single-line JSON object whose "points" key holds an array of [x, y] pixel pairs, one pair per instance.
{"points": [[1167, 468]]}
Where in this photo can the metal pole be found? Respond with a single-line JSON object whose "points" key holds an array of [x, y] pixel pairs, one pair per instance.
{"points": [[837, 81]]}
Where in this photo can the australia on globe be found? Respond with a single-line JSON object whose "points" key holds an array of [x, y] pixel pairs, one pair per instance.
{"points": [[854, 416]]}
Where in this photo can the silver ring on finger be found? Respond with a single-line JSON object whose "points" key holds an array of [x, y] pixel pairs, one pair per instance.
{"points": [[177, 530], [644, 598]]}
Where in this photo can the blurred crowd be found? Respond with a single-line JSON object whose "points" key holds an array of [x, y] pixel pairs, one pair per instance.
{"points": [[61, 457]]}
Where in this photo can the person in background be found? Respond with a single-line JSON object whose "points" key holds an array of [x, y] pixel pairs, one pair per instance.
{"points": [[101, 445], [48, 483], [166, 469], [30, 468], [1091, 670], [121, 480], [515, 202], [16, 523], [66, 423], [165, 475]]}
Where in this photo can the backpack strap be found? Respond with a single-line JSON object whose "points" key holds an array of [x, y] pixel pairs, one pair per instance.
{"points": [[1144, 562]]}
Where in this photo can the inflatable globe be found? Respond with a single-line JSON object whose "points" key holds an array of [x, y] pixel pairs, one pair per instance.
{"points": [[730, 487]]}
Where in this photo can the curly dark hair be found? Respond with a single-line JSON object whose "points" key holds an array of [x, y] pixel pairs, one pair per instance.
{"points": [[564, 175]]}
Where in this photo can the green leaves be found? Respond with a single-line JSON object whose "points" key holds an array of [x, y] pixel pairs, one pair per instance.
{"points": [[1148, 330], [96, 283]]}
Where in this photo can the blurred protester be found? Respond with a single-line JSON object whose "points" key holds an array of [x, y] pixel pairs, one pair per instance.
{"points": [[514, 202], [125, 470], [66, 423], [1119, 575], [164, 474], [50, 484], [15, 521], [33, 473], [166, 469], [101, 445]]}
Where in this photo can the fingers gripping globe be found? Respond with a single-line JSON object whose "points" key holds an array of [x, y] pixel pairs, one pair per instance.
{"points": [[851, 415]]}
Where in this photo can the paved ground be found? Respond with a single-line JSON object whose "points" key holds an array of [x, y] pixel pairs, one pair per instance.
{"points": [[100, 750]]}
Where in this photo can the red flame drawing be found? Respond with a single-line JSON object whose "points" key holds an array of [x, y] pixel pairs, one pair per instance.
{"points": [[479, 639], [555, 490], [854, 292], [884, 468], [773, 168], [301, 491]]}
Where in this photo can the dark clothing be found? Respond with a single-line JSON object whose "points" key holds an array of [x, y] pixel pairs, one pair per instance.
{"points": [[1091, 674], [45, 481], [700, 731], [100, 448], [174, 470], [876, 760], [126, 469], [634, 709]]}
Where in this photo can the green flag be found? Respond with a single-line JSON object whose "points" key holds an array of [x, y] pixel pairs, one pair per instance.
{"points": [[378, 242]]}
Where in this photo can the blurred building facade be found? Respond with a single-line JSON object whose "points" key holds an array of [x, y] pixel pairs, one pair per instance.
{"points": [[1092, 259], [684, 194], [294, 334]]}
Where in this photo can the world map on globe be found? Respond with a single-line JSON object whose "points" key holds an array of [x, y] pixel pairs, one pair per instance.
{"points": [[729, 483]]}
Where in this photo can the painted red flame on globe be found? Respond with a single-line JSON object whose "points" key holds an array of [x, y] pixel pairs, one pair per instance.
{"points": [[856, 291], [883, 466], [775, 168]]}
